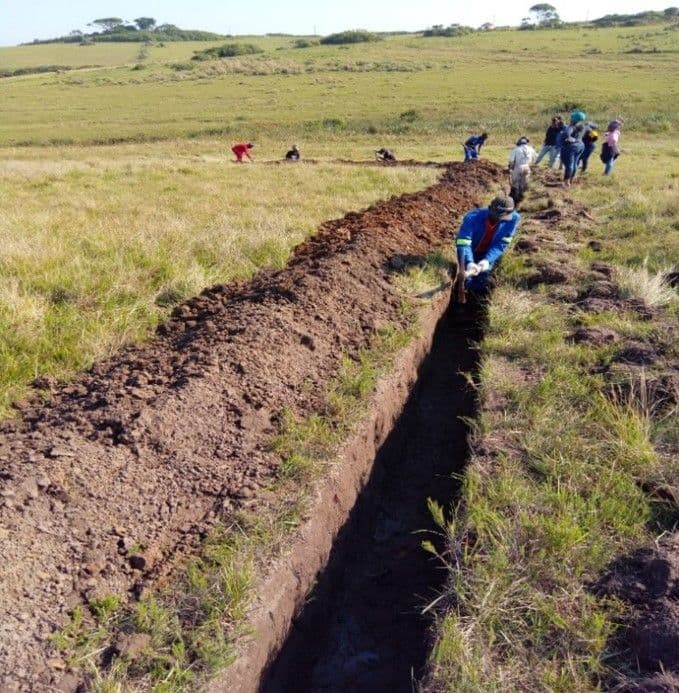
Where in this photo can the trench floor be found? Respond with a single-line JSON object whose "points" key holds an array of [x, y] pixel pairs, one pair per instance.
{"points": [[362, 627]]}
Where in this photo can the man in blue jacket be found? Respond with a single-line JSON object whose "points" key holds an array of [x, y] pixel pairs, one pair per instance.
{"points": [[472, 147], [483, 237]]}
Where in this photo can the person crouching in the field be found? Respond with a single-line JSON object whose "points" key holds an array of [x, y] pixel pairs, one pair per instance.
{"points": [[384, 154], [293, 154], [241, 150], [472, 147]]}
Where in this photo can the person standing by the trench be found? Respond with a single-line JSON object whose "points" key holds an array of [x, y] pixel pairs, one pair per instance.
{"points": [[610, 150], [550, 145], [573, 147]]}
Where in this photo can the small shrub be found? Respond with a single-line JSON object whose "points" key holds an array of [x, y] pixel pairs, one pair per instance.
{"points": [[410, 116], [354, 36], [452, 30], [304, 43], [228, 50]]}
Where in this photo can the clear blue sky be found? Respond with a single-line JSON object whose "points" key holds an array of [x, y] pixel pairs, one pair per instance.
{"points": [[23, 20]]}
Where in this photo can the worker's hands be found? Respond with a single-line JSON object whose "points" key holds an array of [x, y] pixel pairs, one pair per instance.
{"points": [[484, 266], [471, 270]]}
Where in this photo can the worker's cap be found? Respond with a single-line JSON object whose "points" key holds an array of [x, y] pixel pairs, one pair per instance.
{"points": [[522, 140], [578, 117], [501, 207]]}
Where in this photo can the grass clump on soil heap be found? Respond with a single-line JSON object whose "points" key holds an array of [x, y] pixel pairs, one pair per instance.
{"points": [[188, 631], [570, 439]]}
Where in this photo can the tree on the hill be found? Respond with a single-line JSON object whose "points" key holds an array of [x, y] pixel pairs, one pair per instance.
{"points": [[145, 23], [107, 23], [545, 14], [671, 12]]}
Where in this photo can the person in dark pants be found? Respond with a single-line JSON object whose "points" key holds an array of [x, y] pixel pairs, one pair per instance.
{"points": [[484, 236], [589, 140], [572, 147], [384, 154], [610, 150], [472, 147]]}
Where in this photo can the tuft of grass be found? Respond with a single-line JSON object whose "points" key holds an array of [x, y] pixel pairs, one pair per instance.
{"points": [[650, 287]]}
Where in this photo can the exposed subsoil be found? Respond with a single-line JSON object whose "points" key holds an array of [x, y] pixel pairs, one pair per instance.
{"points": [[120, 473], [362, 628]]}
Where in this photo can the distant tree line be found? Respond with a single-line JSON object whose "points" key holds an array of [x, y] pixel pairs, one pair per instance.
{"points": [[142, 29], [145, 29], [670, 14]]}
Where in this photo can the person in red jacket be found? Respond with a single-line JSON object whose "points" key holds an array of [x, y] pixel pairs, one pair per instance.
{"points": [[241, 150]]}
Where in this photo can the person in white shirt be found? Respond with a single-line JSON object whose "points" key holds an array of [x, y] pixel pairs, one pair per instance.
{"points": [[520, 160]]}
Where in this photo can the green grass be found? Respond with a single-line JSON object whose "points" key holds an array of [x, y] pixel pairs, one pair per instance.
{"points": [[99, 242], [290, 92], [559, 492]]}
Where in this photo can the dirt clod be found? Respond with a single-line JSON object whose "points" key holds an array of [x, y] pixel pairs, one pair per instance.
{"points": [[132, 645], [548, 272], [648, 581], [526, 245], [597, 336], [636, 352]]}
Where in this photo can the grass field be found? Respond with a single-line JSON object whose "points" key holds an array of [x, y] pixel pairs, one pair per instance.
{"points": [[399, 86], [117, 202]]}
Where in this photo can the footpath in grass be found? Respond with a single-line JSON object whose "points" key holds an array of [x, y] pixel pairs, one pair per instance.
{"points": [[571, 495]]}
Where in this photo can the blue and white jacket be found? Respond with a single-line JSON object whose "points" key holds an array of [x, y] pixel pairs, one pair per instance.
{"points": [[472, 231]]}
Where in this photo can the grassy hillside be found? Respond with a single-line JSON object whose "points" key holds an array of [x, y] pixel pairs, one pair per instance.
{"points": [[502, 81]]}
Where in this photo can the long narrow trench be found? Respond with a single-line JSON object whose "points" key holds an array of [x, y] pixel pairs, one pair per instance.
{"points": [[362, 628]]}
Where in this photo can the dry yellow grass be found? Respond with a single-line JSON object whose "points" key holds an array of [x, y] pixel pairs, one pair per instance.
{"points": [[97, 249]]}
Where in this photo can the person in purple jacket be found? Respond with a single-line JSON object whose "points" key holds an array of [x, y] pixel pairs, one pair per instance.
{"points": [[484, 236]]}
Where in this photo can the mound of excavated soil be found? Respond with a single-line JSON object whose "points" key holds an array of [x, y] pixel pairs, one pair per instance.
{"points": [[147, 449], [647, 581]]}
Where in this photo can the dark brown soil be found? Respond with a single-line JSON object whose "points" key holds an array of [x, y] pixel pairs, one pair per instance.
{"points": [[122, 471], [637, 352], [548, 272], [647, 581], [597, 336]]}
